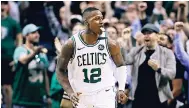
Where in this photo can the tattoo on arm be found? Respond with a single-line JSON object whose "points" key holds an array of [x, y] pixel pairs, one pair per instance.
{"points": [[62, 63]]}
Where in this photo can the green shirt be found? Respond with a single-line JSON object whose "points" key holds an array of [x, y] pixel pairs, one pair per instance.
{"points": [[29, 82], [9, 29], [56, 91], [55, 86]]}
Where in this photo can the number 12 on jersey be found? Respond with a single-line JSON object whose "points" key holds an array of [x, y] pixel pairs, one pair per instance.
{"points": [[95, 74]]}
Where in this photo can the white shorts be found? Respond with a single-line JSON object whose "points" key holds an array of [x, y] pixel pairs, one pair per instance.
{"points": [[104, 98]]}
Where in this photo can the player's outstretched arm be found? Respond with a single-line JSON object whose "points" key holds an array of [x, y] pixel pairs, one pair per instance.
{"points": [[116, 55], [62, 72]]}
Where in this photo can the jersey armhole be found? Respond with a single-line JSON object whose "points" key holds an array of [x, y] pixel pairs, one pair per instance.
{"points": [[107, 44]]}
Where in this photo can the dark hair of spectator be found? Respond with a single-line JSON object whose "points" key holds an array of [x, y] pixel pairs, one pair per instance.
{"points": [[126, 23], [4, 2], [169, 38], [114, 28]]}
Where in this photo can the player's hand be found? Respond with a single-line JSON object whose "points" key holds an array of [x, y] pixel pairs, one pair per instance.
{"points": [[122, 98], [127, 92], [74, 97], [153, 64]]}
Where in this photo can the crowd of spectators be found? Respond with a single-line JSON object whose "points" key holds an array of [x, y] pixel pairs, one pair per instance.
{"points": [[123, 21]]}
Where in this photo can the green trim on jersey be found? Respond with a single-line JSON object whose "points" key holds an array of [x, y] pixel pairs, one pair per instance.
{"points": [[107, 45], [88, 45]]}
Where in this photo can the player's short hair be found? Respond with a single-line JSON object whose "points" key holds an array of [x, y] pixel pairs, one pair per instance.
{"points": [[88, 10]]}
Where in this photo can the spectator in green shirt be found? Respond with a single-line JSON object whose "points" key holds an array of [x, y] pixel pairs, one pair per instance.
{"points": [[31, 83], [10, 37]]}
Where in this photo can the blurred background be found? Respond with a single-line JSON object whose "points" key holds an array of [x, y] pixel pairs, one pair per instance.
{"points": [[123, 21]]}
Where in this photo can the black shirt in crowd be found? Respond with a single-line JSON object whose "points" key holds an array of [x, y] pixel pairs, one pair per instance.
{"points": [[179, 75], [146, 95]]}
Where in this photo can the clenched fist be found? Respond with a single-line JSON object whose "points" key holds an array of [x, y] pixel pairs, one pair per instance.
{"points": [[179, 26], [121, 96], [154, 64]]}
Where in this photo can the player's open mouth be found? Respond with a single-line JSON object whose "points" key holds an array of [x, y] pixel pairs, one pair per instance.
{"points": [[146, 40], [102, 29]]}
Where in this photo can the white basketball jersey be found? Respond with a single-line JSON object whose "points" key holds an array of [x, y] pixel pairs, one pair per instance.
{"points": [[91, 67]]}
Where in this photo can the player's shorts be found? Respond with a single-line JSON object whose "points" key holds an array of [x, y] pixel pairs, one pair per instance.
{"points": [[104, 98], [6, 73]]}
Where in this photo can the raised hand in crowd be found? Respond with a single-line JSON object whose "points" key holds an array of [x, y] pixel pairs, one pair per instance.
{"points": [[159, 9], [125, 40], [142, 6], [179, 26]]}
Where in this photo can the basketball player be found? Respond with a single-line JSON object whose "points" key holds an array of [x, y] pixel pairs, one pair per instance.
{"points": [[88, 56]]}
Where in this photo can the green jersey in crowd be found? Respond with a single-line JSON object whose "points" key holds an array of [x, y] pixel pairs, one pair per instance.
{"points": [[56, 92], [29, 81], [9, 30]]}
